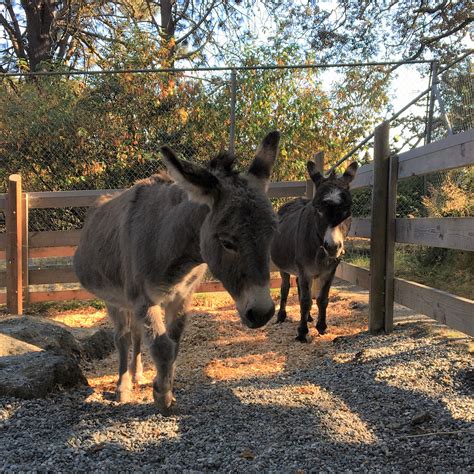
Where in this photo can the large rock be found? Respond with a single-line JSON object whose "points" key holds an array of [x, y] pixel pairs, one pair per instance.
{"points": [[56, 337], [27, 371], [96, 343], [50, 336]]}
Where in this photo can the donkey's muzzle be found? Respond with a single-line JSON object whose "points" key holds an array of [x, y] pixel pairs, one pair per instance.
{"points": [[333, 251], [256, 318]]}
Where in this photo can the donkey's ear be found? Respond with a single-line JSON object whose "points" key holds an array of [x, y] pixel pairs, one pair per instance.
{"points": [[315, 175], [350, 173], [262, 165], [200, 185]]}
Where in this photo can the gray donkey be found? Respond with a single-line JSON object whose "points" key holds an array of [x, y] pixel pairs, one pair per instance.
{"points": [[145, 250], [310, 241]]}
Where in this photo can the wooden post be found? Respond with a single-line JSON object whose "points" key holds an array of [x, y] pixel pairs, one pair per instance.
{"points": [[15, 224], [390, 242], [378, 230], [25, 250]]}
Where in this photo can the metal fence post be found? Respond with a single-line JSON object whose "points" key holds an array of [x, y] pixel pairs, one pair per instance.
{"points": [[434, 78], [378, 235], [233, 100], [15, 231]]}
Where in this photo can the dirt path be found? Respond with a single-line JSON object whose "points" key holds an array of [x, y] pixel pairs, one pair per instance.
{"points": [[257, 400]]}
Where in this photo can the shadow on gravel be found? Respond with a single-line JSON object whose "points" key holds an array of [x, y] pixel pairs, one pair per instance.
{"points": [[331, 405]]}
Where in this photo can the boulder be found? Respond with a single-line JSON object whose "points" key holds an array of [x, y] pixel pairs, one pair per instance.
{"points": [[90, 343], [27, 371], [95, 343], [40, 332]]}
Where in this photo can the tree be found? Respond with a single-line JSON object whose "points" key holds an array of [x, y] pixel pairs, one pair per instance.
{"points": [[42, 33]]}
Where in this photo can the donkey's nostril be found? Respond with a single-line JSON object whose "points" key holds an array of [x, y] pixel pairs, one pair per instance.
{"points": [[256, 319], [250, 315]]}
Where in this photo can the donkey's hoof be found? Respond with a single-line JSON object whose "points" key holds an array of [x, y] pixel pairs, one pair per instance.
{"points": [[124, 396], [164, 401], [310, 318], [301, 338], [281, 317], [321, 329]]}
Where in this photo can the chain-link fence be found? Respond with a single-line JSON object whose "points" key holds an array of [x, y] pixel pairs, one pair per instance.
{"points": [[103, 130]]}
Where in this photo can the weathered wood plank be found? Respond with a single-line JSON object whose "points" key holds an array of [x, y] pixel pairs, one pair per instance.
{"points": [[81, 294], [85, 198], [439, 145], [3, 298], [447, 232], [452, 152], [287, 189], [52, 275], [61, 199], [60, 238], [45, 252], [454, 311], [352, 273], [57, 238], [360, 227], [3, 279], [63, 295]]}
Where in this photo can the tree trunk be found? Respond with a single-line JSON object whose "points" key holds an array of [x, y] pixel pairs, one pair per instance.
{"points": [[39, 20], [168, 30]]}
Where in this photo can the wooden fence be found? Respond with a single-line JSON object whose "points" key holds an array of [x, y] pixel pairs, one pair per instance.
{"points": [[17, 245]]}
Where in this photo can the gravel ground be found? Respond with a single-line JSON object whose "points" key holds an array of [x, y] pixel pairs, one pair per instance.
{"points": [[258, 401]]}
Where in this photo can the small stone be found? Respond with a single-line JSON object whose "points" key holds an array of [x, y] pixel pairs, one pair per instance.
{"points": [[247, 454], [420, 418]]}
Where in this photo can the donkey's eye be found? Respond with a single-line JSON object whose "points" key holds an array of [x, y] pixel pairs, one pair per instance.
{"points": [[229, 245]]}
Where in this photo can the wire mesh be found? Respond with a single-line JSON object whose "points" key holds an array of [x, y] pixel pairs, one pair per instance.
{"points": [[104, 131]]}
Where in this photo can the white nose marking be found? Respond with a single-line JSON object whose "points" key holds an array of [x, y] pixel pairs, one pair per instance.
{"points": [[333, 237]]}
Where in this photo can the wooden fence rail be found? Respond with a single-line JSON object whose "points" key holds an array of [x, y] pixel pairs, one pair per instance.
{"points": [[17, 245]]}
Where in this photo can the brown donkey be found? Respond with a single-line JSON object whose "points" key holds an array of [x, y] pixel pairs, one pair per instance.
{"points": [[310, 241], [145, 251]]}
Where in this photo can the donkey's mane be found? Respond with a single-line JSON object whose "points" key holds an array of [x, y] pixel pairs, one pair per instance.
{"points": [[223, 164]]}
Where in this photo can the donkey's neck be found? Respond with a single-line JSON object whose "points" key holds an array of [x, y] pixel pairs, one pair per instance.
{"points": [[317, 221], [187, 228]]}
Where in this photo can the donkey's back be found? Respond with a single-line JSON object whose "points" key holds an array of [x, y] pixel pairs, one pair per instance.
{"points": [[117, 235]]}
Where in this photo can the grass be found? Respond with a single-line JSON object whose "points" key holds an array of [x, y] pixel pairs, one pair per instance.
{"points": [[444, 269]]}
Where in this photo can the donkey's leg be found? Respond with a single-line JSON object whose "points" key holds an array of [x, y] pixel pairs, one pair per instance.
{"points": [[305, 306], [176, 316], [163, 350], [136, 366], [322, 300], [310, 319], [285, 288], [121, 320]]}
